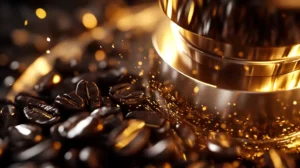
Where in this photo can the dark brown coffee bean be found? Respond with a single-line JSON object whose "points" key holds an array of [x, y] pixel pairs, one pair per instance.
{"points": [[89, 91], [23, 100], [42, 152], [187, 135], [152, 119], [9, 116], [69, 102], [24, 165], [111, 117], [90, 157], [81, 127], [24, 135], [221, 146], [120, 90], [130, 138], [42, 114], [48, 82], [164, 150], [274, 158]]}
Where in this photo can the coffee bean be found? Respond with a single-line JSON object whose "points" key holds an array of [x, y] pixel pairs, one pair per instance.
{"points": [[274, 158], [111, 117], [90, 157], [42, 152], [24, 135], [221, 146], [48, 82], [164, 150], [9, 116], [42, 114], [24, 165], [23, 100], [187, 135], [129, 138], [89, 91], [81, 127], [69, 102], [152, 119]]}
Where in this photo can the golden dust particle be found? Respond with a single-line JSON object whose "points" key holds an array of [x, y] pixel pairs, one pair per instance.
{"points": [[228, 103], [284, 130], [56, 79], [153, 76], [194, 72], [235, 113], [48, 52], [56, 145], [247, 136], [113, 46], [204, 108], [241, 54], [38, 138], [217, 67], [41, 13], [48, 39], [234, 104], [223, 126], [167, 165], [141, 73], [100, 55], [255, 136], [295, 102], [25, 22], [140, 63], [89, 20], [246, 68], [99, 127], [196, 89]]}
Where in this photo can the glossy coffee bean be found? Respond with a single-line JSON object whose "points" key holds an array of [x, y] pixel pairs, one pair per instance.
{"points": [[69, 102], [81, 127], [24, 135], [89, 91], [42, 114], [47, 82], [129, 138], [9, 116], [90, 158], [24, 165], [220, 146], [111, 117], [164, 150], [23, 100], [42, 152], [151, 118], [274, 158], [187, 135]]}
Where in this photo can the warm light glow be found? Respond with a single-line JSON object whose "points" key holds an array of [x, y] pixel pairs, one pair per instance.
{"points": [[89, 20], [25, 22], [56, 79], [100, 55], [48, 51], [41, 13], [48, 39], [191, 12]]}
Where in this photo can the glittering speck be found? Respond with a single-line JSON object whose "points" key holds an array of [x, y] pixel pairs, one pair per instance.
{"points": [[48, 51], [295, 103], [89, 20], [41, 13], [25, 22], [140, 63], [48, 39]]}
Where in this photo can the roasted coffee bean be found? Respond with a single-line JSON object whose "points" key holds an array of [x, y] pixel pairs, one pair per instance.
{"points": [[221, 146], [69, 102], [9, 116], [24, 135], [151, 118], [89, 91], [24, 99], [129, 138], [186, 133], [111, 116], [90, 157], [274, 158], [48, 82], [164, 150], [42, 152], [24, 165], [120, 90], [42, 114], [4, 148], [81, 127]]}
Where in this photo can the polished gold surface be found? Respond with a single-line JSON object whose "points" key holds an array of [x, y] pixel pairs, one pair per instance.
{"points": [[255, 112], [222, 28]]}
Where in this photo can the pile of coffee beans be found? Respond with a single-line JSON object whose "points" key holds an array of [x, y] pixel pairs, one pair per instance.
{"points": [[76, 117]]}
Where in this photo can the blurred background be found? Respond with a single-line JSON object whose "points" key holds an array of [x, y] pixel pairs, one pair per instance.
{"points": [[30, 28]]}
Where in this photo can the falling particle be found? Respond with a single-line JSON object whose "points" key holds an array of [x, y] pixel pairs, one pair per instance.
{"points": [[100, 55], [41, 13], [48, 39], [196, 89], [25, 22], [295, 103], [153, 76], [113, 46], [56, 79], [204, 108], [15, 65], [89, 20], [140, 63], [141, 73], [9, 80], [48, 51]]}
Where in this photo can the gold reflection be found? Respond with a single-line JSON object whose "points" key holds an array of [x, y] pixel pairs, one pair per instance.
{"points": [[41, 13], [89, 20], [191, 12]]}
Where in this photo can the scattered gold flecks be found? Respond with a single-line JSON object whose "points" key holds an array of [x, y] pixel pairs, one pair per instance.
{"points": [[204, 108], [141, 73], [295, 102], [48, 39], [140, 63], [56, 79], [25, 22], [113, 46], [56, 145], [41, 13], [100, 55], [89, 20], [196, 89], [48, 52]]}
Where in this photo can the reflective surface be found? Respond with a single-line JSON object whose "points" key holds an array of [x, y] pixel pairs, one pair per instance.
{"points": [[222, 28]]}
